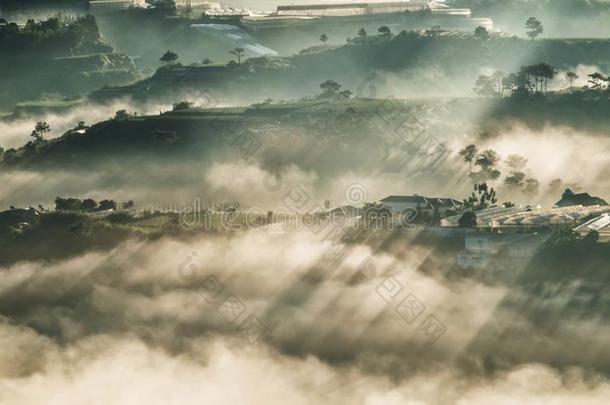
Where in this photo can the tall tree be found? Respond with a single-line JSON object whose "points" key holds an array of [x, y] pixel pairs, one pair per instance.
{"points": [[238, 52], [534, 27], [498, 78], [469, 153], [324, 39], [482, 197], [41, 128], [487, 161], [597, 80], [571, 77], [547, 73], [515, 180]]}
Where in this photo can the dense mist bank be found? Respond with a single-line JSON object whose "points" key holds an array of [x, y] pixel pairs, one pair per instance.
{"points": [[147, 309]]}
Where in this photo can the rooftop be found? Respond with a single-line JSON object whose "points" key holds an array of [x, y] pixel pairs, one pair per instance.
{"points": [[421, 200], [598, 224], [570, 198], [353, 5], [513, 217]]}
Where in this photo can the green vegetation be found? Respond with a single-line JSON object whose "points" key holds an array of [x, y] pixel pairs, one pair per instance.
{"points": [[165, 7], [169, 57], [238, 52], [456, 57], [57, 36], [62, 55]]}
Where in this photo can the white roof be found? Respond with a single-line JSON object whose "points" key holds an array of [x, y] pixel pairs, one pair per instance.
{"points": [[536, 216], [601, 223]]}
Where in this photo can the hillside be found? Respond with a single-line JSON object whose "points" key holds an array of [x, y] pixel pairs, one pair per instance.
{"points": [[61, 55], [448, 61]]}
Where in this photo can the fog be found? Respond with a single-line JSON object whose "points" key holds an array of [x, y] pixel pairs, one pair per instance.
{"points": [[129, 308], [141, 320], [325, 172]]}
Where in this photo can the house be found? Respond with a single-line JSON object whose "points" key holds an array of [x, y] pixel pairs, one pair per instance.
{"points": [[569, 198], [445, 206]]}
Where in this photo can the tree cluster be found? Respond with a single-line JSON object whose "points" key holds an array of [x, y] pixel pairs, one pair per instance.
{"points": [[332, 89], [529, 80], [56, 36], [164, 7], [517, 180], [487, 162], [89, 205]]}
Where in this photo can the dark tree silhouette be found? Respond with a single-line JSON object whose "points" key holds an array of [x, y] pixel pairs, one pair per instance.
{"points": [[385, 32], [182, 105], [169, 57], [330, 88], [40, 130], [468, 220], [108, 205], [534, 27], [571, 77], [88, 204], [238, 52], [469, 153], [597, 81], [121, 115], [324, 39], [481, 33]]}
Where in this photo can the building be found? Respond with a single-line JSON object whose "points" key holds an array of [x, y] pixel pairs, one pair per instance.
{"points": [[600, 224], [444, 206], [517, 218], [480, 248], [469, 259], [361, 13], [569, 198], [112, 5], [202, 5], [352, 9]]}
